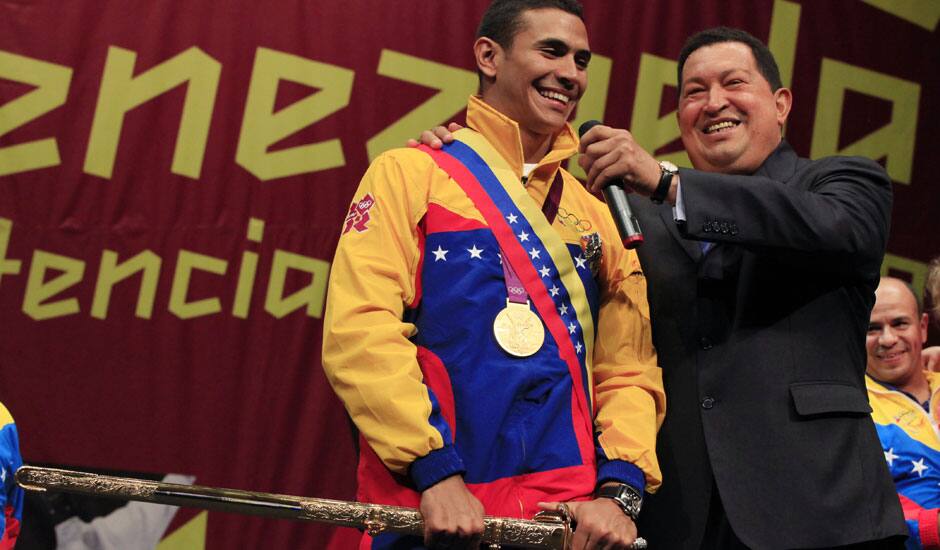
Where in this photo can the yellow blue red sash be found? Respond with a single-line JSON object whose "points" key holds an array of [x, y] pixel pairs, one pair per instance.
{"points": [[534, 249]]}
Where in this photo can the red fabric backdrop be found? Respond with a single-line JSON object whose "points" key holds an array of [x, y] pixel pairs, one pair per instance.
{"points": [[221, 378]]}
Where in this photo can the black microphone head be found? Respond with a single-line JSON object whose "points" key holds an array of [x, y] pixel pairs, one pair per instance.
{"points": [[583, 129]]}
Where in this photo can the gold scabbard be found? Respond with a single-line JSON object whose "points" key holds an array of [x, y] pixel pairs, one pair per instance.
{"points": [[547, 530]]}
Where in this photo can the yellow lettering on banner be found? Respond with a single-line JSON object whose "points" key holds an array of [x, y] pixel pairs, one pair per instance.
{"points": [[454, 85], [186, 262], [121, 92], [7, 266], [38, 290], [923, 13], [262, 127], [52, 86], [784, 28], [247, 271], [593, 103], [895, 140], [916, 271], [312, 295], [651, 130], [110, 273]]}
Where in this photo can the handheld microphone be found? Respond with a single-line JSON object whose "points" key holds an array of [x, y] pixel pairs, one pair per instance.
{"points": [[616, 197]]}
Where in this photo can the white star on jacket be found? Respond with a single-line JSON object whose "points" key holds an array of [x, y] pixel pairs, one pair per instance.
{"points": [[544, 272], [581, 261], [523, 237], [534, 253], [512, 218], [475, 252], [440, 254], [554, 290], [919, 467]]}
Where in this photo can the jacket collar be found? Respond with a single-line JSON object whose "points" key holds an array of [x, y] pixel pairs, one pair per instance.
{"points": [[503, 133], [781, 164]]}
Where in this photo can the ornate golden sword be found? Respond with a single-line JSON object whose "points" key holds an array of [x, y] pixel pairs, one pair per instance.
{"points": [[547, 530]]}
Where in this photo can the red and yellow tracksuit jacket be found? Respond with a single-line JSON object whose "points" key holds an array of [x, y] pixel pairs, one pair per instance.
{"points": [[408, 345]]}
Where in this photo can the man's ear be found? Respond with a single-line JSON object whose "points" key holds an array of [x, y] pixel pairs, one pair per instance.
{"points": [[783, 98], [487, 53]]}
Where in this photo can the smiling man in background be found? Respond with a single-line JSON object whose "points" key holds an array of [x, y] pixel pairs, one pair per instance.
{"points": [[906, 403]]}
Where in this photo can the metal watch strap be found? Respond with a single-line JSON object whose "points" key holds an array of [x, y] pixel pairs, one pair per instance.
{"points": [[627, 498], [666, 172]]}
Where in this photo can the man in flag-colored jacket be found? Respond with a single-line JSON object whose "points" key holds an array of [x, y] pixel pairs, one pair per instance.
{"points": [[485, 328], [905, 400]]}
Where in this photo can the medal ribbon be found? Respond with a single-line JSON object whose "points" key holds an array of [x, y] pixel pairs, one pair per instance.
{"points": [[515, 291], [494, 189]]}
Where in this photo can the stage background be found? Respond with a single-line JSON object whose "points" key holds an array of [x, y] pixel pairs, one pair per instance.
{"points": [[174, 177]]}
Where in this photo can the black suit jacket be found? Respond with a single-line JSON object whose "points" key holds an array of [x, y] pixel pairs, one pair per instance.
{"points": [[761, 342]]}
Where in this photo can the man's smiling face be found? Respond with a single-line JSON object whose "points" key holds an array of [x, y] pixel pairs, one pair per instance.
{"points": [[896, 334], [729, 117], [538, 80]]}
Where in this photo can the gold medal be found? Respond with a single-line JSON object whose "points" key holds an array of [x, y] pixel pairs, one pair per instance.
{"points": [[518, 330]]}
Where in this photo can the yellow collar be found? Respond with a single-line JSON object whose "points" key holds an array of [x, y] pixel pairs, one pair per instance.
{"points": [[503, 134]]}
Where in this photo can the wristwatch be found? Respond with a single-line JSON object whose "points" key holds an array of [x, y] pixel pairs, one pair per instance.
{"points": [[666, 171], [627, 498]]}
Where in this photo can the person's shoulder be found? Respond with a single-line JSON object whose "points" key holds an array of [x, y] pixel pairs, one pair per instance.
{"points": [[5, 416], [933, 378], [404, 155]]}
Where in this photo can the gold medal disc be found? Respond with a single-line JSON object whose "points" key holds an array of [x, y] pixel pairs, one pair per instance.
{"points": [[518, 330]]}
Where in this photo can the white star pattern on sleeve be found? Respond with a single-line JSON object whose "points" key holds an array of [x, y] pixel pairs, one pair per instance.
{"points": [[440, 254]]}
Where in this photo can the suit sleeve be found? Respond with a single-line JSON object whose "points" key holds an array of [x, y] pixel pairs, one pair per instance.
{"points": [[629, 396], [834, 207], [367, 355], [11, 498]]}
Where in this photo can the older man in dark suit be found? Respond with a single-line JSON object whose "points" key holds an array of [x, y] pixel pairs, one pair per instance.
{"points": [[762, 268]]}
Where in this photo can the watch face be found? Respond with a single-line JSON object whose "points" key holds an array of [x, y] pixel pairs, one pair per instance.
{"points": [[668, 166]]}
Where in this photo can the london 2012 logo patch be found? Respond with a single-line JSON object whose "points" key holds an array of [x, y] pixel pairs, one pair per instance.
{"points": [[358, 216]]}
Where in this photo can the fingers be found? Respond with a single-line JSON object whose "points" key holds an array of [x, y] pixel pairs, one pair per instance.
{"points": [[601, 525], [453, 517]]}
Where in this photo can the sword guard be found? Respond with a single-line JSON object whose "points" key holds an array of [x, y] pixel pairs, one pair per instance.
{"points": [[374, 523]]}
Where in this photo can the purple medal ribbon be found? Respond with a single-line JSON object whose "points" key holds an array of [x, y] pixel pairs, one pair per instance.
{"points": [[514, 289]]}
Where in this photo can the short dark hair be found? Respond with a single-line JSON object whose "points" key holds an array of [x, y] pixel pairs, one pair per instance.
{"points": [[765, 60], [502, 20]]}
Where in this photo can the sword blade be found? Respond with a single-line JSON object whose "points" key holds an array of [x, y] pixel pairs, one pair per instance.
{"points": [[546, 531]]}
